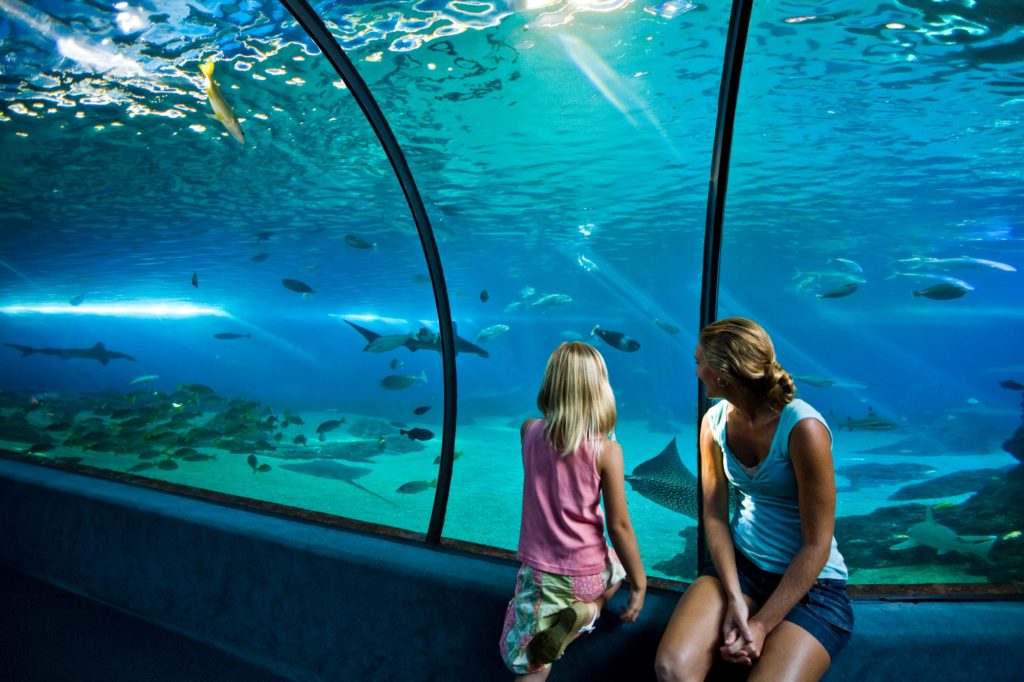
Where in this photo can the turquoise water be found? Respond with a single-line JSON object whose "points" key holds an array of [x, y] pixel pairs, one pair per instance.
{"points": [[563, 153]]}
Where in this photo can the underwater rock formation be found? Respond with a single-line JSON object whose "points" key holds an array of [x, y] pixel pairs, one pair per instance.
{"points": [[1015, 443]]}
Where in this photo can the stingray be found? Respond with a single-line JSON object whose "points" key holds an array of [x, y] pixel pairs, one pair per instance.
{"points": [[336, 471], [666, 481]]}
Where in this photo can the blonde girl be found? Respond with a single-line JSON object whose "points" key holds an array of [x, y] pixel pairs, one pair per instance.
{"points": [[570, 463]]}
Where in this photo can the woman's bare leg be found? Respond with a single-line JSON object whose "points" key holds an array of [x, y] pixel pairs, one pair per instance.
{"points": [[691, 640], [791, 654]]}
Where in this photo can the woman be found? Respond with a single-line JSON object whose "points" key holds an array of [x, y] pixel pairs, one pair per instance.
{"points": [[775, 598]]}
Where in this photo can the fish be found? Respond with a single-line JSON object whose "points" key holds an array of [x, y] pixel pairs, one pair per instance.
{"points": [[255, 466], [337, 471], [872, 422], [167, 465], [221, 109], [417, 434], [527, 292], [141, 466], [358, 242], [944, 540], [513, 306], [328, 426], [616, 340], [264, 235], [298, 286], [77, 300], [666, 327], [383, 344], [484, 296], [424, 339], [416, 486], [587, 264], [850, 265], [551, 301], [458, 453], [666, 481], [942, 292], [488, 333], [965, 261], [809, 280], [873, 474], [397, 364], [299, 439], [825, 382], [1012, 385], [144, 379], [422, 409], [195, 279], [99, 353], [840, 291], [260, 257], [397, 382], [231, 336]]}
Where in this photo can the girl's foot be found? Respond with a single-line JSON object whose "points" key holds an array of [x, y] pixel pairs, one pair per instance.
{"points": [[548, 644]]}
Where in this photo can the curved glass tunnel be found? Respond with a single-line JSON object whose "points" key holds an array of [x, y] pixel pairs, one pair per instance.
{"points": [[873, 225]]}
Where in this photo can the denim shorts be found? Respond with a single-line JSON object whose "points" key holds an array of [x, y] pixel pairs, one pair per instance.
{"points": [[825, 611]]}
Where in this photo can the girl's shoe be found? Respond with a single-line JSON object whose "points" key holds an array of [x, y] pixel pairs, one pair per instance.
{"points": [[548, 644]]}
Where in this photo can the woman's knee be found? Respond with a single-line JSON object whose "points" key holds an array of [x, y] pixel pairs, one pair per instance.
{"points": [[673, 666]]}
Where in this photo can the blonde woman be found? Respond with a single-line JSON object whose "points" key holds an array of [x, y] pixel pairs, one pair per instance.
{"points": [[569, 463], [775, 598]]}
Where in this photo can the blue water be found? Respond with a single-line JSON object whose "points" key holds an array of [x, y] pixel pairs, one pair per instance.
{"points": [[562, 149]]}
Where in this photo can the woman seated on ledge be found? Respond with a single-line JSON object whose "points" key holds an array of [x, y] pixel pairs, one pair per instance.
{"points": [[775, 598]]}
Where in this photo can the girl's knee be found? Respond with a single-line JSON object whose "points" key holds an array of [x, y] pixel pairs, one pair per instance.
{"points": [[672, 666]]}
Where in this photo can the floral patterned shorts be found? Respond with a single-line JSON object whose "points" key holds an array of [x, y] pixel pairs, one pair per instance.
{"points": [[539, 596]]}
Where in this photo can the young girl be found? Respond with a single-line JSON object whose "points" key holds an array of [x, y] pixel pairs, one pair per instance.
{"points": [[569, 464]]}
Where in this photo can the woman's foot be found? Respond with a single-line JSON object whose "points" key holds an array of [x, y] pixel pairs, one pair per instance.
{"points": [[548, 644]]}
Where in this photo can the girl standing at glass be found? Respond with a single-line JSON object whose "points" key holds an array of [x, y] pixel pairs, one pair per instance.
{"points": [[570, 462], [775, 598]]}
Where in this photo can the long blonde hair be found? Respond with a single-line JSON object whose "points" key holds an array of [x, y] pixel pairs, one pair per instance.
{"points": [[740, 350], [575, 397]]}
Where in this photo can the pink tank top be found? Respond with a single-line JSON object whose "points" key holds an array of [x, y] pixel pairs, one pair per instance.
{"points": [[562, 529]]}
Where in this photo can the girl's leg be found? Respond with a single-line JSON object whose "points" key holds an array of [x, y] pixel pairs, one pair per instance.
{"points": [[690, 643], [791, 654], [538, 676]]}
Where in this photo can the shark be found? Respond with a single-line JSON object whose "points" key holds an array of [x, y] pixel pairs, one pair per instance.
{"points": [[335, 471], [666, 481], [945, 540], [424, 339], [99, 353], [872, 422]]}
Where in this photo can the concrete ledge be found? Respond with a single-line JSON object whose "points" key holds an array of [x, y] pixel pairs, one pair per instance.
{"points": [[315, 603]]}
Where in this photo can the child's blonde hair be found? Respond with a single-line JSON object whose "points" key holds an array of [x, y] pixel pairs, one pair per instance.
{"points": [[576, 398]]}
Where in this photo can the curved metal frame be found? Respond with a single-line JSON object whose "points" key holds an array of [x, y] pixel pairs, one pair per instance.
{"points": [[315, 28], [736, 42]]}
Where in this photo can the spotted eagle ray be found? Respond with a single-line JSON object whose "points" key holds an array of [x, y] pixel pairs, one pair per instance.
{"points": [[665, 480], [336, 471]]}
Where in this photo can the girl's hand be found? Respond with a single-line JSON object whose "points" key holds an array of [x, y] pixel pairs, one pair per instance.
{"points": [[635, 604]]}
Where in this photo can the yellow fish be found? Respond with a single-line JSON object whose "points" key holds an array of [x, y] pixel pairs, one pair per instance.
{"points": [[221, 109]]}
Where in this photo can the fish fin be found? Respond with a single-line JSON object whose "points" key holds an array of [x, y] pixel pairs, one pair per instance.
{"points": [[980, 539], [594, 330], [906, 544], [423, 376], [207, 68]]}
